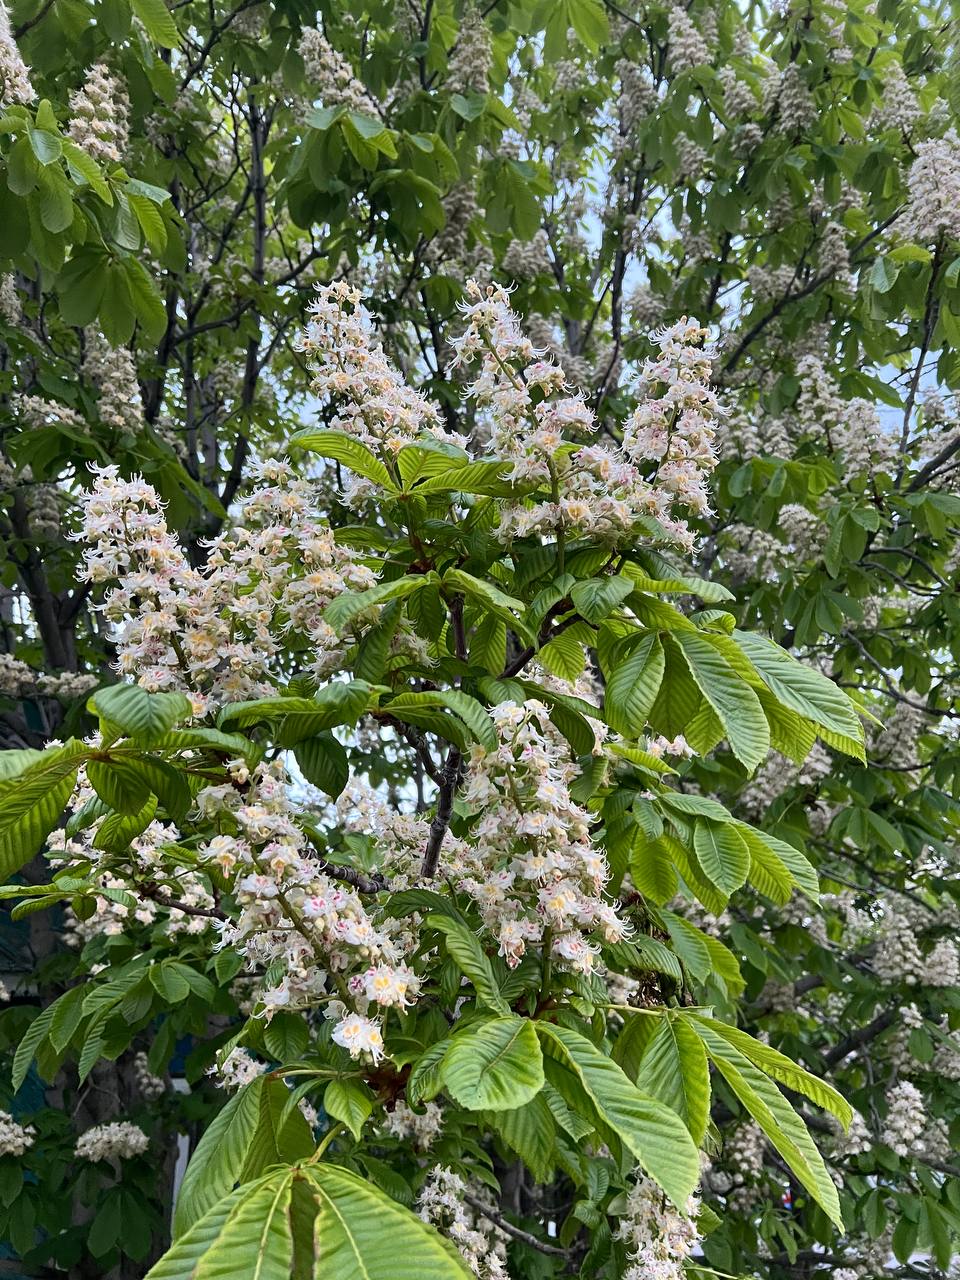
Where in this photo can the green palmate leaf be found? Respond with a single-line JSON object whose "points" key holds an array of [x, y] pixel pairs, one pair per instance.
{"points": [[722, 854], [343, 448], [468, 709], [776, 1064], [182, 1260], [710, 592], [735, 703], [494, 1065], [118, 784], [255, 1237], [425, 1081], [342, 702], [654, 1134], [530, 1131], [141, 715], [246, 1137], [674, 1069], [465, 950], [312, 1222], [490, 597], [806, 691], [776, 867], [158, 22], [350, 1102], [219, 1157], [323, 761], [30, 1042], [428, 458], [31, 805], [360, 1232], [652, 869], [13, 763], [786, 1132], [482, 476], [488, 644], [633, 685], [595, 598], [349, 606], [565, 654]]}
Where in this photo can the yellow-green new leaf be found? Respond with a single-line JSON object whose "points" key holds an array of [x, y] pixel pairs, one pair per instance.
{"points": [[343, 448], [783, 1127], [494, 1065], [674, 1069], [653, 1133], [780, 1067], [362, 1234], [737, 706]]}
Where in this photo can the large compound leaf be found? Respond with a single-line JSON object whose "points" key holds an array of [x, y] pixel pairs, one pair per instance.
{"points": [[180, 1262], [786, 1132], [735, 703], [494, 1065], [674, 1069], [722, 854], [362, 1234], [651, 1131], [632, 687], [806, 691], [247, 1136], [340, 613], [31, 805], [343, 448], [467, 954], [780, 1067], [140, 714]]}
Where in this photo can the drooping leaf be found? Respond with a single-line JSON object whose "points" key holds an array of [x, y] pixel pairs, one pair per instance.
{"points": [[651, 1131]]}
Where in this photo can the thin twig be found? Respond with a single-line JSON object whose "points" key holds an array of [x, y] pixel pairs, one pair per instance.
{"points": [[513, 1231]]}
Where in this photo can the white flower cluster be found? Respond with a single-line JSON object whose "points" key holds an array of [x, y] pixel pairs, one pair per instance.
{"points": [[372, 400], [15, 83], [543, 878], [100, 112], [525, 259], [796, 109], [295, 919], [331, 74], [906, 1119], [114, 376], [857, 1141], [599, 490], [896, 744], [120, 1140], [687, 47], [658, 1237], [933, 187], [900, 108], [19, 680], [421, 1129], [10, 308], [15, 1138], [637, 97], [35, 411], [468, 70], [150, 1087], [852, 427], [441, 1203], [778, 773], [212, 632], [237, 1070]]}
